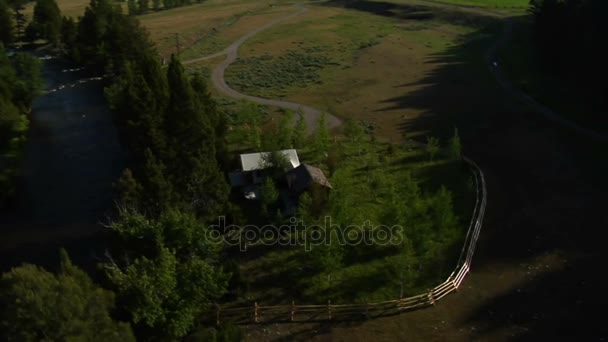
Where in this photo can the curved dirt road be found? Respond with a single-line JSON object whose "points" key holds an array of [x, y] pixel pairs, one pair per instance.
{"points": [[311, 115]]}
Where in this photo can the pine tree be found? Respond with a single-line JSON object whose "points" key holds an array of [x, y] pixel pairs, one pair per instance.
{"points": [[354, 131], [432, 147], [46, 21], [300, 131], [209, 108], [6, 24], [269, 194], [285, 131], [69, 32], [158, 191], [128, 190], [322, 138], [404, 265], [28, 85], [143, 6], [455, 146], [133, 8], [193, 165]]}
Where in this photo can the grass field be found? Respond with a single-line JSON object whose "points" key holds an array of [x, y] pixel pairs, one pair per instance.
{"points": [[362, 62], [207, 28]]}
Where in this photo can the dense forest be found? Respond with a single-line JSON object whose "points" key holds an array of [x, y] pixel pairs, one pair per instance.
{"points": [[570, 36]]}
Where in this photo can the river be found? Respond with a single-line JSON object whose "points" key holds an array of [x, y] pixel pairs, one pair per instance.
{"points": [[71, 157]]}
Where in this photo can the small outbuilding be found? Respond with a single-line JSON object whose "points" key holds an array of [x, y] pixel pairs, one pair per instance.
{"points": [[303, 177]]}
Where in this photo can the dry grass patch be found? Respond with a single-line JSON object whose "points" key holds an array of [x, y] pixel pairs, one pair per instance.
{"points": [[209, 27], [191, 23]]}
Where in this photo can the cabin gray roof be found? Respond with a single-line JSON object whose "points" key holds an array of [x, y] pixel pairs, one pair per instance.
{"points": [[255, 161]]}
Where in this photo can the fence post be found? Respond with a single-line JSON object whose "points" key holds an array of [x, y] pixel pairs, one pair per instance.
{"points": [[431, 298], [217, 315], [329, 309], [293, 310], [255, 312]]}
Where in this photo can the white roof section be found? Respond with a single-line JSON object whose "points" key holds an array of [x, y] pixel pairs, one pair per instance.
{"points": [[255, 161]]}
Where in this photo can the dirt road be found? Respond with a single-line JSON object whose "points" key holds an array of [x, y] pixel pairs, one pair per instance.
{"points": [[311, 114]]}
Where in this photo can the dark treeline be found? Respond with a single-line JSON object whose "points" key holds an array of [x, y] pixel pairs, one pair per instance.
{"points": [[143, 6], [12, 20], [20, 83], [570, 35], [160, 263]]}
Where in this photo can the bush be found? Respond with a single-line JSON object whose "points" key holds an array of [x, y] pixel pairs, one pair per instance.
{"points": [[262, 74]]}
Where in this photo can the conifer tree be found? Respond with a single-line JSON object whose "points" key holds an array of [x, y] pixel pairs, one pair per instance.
{"points": [[300, 131], [6, 24]]}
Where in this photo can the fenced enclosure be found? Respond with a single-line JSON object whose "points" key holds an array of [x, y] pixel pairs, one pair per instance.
{"points": [[341, 312]]}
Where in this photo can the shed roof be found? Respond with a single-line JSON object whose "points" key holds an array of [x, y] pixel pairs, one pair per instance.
{"points": [[303, 176]]}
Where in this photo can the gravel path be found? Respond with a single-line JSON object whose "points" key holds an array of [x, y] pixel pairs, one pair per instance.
{"points": [[311, 114]]}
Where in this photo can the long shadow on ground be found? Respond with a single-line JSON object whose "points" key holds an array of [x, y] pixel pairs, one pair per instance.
{"points": [[545, 187]]}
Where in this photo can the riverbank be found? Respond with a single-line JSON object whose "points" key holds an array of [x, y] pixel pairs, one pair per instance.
{"points": [[70, 159]]}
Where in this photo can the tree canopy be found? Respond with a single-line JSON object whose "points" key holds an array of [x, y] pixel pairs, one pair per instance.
{"points": [[46, 22], [164, 271], [37, 305], [6, 24]]}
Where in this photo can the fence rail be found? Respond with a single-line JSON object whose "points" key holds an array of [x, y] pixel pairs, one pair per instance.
{"points": [[324, 312]]}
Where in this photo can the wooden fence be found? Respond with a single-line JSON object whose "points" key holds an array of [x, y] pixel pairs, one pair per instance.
{"points": [[326, 312]]}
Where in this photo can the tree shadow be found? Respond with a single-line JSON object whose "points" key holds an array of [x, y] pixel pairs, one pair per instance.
{"points": [[546, 185], [556, 305], [414, 12]]}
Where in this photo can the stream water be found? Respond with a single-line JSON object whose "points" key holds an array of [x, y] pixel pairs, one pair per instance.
{"points": [[71, 158]]}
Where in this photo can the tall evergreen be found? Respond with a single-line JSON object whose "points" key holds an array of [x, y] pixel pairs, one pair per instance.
{"points": [[192, 153], [208, 107], [6, 24], [300, 131], [46, 22]]}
